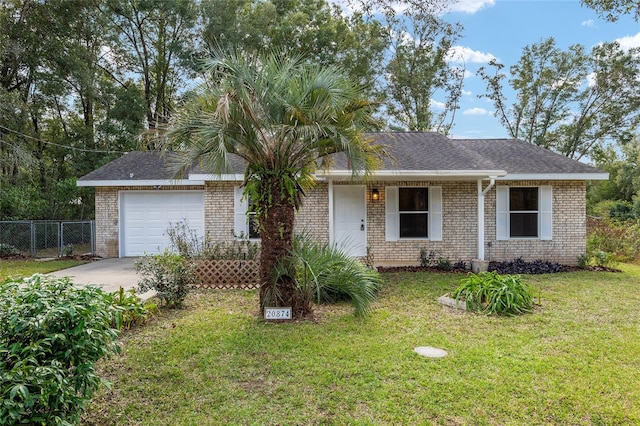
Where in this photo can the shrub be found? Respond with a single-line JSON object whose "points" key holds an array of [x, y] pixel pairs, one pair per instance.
{"points": [[326, 274], [434, 259], [491, 293], [519, 266], [239, 248], [128, 310], [185, 241], [51, 335], [617, 239], [189, 245], [7, 250], [170, 275]]}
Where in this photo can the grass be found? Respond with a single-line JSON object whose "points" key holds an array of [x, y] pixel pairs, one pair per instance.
{"points": [[575, 360], [25, 268]]}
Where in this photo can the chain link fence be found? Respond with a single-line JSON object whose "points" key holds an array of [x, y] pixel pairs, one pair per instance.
{"points": [[48, 238]]}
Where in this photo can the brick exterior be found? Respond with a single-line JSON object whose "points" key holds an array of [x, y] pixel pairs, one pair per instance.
{"points": [[459, 229]]}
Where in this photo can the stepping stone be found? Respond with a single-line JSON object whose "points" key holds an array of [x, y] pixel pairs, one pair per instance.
{"points": [[430, 352]]}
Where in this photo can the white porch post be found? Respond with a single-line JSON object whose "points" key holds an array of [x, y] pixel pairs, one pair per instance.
{"points": [[481, 194], [480, 221]]}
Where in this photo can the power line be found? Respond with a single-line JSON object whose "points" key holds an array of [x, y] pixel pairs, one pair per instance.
{"points": [[61, 145]]}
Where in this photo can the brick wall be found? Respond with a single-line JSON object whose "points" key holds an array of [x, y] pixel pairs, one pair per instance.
{"points": [[459, 231], [569, 226], [459, 228]]}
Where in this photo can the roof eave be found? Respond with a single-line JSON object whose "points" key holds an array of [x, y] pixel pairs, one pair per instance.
{"points": [[555, 176], [140, 182]]}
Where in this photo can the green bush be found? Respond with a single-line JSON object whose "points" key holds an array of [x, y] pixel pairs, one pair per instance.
{"points": [[491, 293], [326, 274], [170, 275], [51, 335], [189, 245], [611, 241], [434, 259], [7, 250], [128, 310]]}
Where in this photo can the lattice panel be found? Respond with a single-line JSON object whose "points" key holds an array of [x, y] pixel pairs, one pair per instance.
{"points": [[227, 274]]}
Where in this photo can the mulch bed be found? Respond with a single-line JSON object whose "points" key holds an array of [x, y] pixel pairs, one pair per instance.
{"points": [[392, 269]]}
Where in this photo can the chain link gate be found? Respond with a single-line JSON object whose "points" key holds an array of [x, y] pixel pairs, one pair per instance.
{"points": [[47, 238]]}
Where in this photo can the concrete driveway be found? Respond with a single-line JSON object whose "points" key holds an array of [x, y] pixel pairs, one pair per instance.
{"points": [[109, 274]]}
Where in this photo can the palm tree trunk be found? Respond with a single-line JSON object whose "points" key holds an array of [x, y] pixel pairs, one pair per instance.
{"points": [[278, 289]]}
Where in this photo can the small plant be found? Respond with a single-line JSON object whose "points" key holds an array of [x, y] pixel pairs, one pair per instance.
{"points": [[491, 293], [7, 250], [239, 248], [169, 274], [434, 259], [185, 241], [51, 335], [129, 310]]}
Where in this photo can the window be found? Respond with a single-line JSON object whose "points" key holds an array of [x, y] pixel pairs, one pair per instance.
{"points": [[246, 222], [252, 221], [413, 213], [524, 212], [413, 209]]}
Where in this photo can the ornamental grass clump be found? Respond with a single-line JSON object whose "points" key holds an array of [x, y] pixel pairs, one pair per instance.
{"points": [[51, 336], [327, 274], [492, 293]]}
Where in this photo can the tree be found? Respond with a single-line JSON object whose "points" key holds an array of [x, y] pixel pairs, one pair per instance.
{"points": [[281, 115], [570, 101], [312, 28], [612, 9], [420, 86], [153, 38]]}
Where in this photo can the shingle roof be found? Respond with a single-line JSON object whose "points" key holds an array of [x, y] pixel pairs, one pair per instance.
{"points": [[409, 151]]}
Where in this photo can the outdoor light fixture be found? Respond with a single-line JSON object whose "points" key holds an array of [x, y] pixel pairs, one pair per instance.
{"points": [[375, 195]]}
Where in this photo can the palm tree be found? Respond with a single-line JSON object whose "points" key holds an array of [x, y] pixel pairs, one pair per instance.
{"points": [[285, 118]]}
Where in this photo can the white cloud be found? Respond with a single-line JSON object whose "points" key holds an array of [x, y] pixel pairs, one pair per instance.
{"points": [[467, 55], [468, 74], [470, 6], [437, 104], [629, 41], [475, 111], [588, 23], [466, 92]]}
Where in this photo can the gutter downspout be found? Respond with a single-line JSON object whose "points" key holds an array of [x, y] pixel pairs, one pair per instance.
{"points": [[481, 194]]}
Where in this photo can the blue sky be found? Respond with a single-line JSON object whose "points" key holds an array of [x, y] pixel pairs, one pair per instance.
{"points": [[502, 28]]}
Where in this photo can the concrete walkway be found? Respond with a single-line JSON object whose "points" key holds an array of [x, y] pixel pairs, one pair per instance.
{"points": [[109, 274]]}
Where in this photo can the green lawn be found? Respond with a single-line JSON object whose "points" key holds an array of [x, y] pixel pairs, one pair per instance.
{"points": [[576, 360], [25, 268]]}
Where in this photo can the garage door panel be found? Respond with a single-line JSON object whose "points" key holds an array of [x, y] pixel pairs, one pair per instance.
{"points": [[146, 216]]}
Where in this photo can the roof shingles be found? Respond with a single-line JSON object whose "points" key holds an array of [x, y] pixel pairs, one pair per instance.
{"points": [[408, 151]]}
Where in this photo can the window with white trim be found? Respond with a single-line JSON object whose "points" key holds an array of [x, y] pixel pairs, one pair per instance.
{"points": [[524, 212], [413, 213], [246, 222]]}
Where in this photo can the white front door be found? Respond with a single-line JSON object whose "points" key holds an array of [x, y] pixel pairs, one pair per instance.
{"points": [[350, 219]]}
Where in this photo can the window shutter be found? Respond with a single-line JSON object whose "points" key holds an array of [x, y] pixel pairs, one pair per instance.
{"points": [[435, 213], [240, 206], [392, 221], [546, 214], [502, 212]]}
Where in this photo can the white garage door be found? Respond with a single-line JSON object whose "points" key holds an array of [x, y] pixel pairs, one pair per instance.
{"points": [[145, 217]]}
